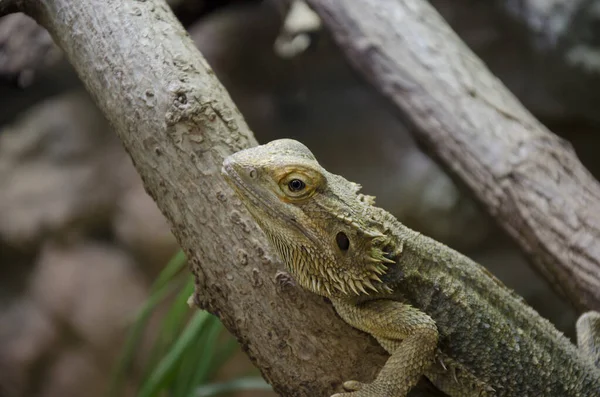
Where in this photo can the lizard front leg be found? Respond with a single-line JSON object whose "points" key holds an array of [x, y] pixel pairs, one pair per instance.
{"points": [[408, 334]]}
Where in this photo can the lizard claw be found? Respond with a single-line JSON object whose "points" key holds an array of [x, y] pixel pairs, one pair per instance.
{"points": [[352, 385]]}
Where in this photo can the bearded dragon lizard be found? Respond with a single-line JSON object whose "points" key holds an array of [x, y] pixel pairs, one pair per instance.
{"points": [[436, 312]]}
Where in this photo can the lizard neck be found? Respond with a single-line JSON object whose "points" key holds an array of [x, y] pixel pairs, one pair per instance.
{"points": [[379, 242], [317, 264]]}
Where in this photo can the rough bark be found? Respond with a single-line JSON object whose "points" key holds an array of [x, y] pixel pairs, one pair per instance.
{"points": [[530, 180], [178, 123]]}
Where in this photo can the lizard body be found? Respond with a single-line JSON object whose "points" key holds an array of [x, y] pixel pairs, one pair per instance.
{"points": [[436, 312]]}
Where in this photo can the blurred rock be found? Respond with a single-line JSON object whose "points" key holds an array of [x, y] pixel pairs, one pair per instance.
{"points": [[63, 335], [74, 372], [64, 173], [25, 49], [80, 240], [32, 67], [55, 174], [92, 288], [27, 336]]}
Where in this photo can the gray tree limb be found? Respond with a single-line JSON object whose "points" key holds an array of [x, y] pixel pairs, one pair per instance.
{"points": [[529, 180], [178, 123]]}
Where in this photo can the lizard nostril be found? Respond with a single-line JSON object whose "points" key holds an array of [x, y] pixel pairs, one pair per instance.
{"points": [[253, 173]]}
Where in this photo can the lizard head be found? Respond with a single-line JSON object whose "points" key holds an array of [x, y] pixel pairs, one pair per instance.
{"points": [[316, 220]]}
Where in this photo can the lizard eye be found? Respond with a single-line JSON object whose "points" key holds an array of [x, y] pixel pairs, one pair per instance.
{"points": [[296, 185]]}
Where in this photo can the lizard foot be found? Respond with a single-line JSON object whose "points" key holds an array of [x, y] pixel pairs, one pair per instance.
{"points": [[352, 385], [355, 388]]}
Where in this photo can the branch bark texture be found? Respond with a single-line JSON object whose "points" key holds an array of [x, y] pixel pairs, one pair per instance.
{"points": [[178, 123], [530, 180]]}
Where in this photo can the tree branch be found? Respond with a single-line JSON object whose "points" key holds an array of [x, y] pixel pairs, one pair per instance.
{"points": [[177, 123], [529, 179]]}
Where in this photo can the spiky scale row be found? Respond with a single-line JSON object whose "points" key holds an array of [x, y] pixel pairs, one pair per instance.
{"points": [[372, 233], [347, 284], [367, 282]]}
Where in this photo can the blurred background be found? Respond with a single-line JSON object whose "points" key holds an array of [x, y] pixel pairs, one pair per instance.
{"points": [[92, 290]]}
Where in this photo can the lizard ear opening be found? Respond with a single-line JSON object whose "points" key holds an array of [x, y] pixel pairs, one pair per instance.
{"points": [[342, 241]]}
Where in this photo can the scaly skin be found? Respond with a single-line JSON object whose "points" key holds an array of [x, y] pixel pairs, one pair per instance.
{"points": [[435, 311]]}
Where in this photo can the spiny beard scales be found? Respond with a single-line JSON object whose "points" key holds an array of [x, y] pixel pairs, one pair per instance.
{"points": [[315, 272]]}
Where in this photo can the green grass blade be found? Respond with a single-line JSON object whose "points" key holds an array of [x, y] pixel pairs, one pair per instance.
{"points": [[191, 374], [165, 370], [171, 327], [160, 290], [176, 263], [185, 373], [183, 356], [206, 367], [178, 313]]}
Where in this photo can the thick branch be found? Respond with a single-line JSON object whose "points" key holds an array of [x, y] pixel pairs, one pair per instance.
{"points": [[177, 123], [528, 179]]}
